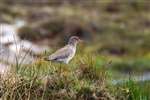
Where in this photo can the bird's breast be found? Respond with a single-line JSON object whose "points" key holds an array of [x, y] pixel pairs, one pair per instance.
{"points": [[73, 51]]}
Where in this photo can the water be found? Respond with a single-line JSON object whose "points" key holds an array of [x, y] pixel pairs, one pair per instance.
{"points": [[138, 78]]}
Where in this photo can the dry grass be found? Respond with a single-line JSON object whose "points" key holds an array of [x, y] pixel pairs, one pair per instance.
{"points": [[46, 81]]}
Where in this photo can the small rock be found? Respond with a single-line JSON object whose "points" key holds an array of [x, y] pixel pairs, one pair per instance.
{"points": [[28, 46], [8, 33], [12, 57], [4, 68]]}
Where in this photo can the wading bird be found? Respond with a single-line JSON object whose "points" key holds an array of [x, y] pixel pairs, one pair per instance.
{"points": [[66, 53]]}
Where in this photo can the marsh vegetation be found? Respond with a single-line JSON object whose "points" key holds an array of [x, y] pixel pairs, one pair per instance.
{"points": [[113, 63]]}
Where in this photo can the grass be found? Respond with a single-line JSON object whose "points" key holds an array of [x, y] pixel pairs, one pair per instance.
{"points": [[121, 30], [44, 80], [82, 79], [124, 64], [132, 90]]}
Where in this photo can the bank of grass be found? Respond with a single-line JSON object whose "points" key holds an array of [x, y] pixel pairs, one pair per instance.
{"points": [[125, 64], [132, 90], [82, 79], [51, 81]]}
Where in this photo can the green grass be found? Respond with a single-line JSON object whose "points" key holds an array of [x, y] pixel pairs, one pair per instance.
{"points": [[121, 32], [45, 80], [124, 64], [132, 90], [82, 79]]}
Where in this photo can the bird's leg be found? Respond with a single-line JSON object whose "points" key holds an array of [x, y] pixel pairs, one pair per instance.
{"points": [[60, 68]]}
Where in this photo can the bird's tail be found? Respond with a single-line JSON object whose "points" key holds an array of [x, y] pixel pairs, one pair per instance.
{"points": [[46, 59]]}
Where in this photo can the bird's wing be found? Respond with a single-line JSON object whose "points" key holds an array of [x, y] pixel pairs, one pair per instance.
{"points": [[61, 53]]}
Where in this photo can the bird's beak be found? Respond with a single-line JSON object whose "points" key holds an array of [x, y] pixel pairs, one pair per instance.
{"points": [[81, 40]]}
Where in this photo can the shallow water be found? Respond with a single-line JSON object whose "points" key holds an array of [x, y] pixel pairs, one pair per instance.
{"points": [[138, 78]]}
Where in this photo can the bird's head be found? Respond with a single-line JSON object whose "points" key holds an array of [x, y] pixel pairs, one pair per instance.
{"points": [[74, 40]]}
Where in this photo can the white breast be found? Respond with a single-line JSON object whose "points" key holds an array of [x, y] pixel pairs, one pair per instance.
{"points": [[73, 50]]}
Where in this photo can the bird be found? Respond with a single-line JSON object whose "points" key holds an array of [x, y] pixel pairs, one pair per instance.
{"points": [[66, 53]]}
